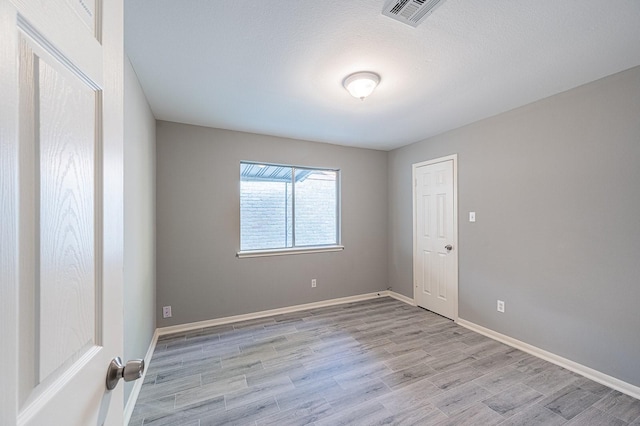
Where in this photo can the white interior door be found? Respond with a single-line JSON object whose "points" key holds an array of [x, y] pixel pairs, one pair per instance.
{"points": [[435, 256], [61, 210]]}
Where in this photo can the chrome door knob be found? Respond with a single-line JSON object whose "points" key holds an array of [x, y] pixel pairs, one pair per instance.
{"points": [[449, 247], [116, 371]]}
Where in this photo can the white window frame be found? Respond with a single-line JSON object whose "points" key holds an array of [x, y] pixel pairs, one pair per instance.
{"points": [[299, 249]]}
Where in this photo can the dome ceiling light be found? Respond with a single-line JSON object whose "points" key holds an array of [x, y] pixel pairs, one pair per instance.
{"points": [[361, 84]]}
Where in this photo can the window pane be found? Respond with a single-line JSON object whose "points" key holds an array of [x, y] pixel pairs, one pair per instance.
{"points": [[265, 207], [287, 207], [315, 207]]}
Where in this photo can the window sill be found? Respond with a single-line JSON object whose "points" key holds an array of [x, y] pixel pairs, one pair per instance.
{"points": [[288, 251]]}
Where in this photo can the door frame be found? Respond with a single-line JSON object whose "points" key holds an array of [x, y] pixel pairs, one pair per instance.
{"points": [[414, 181]]}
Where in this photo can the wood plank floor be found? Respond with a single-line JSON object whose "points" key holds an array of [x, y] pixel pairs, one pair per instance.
{"points": [[375, 362]]}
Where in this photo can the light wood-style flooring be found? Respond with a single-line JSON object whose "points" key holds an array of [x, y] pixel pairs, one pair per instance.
{"points": [[374, 362]]}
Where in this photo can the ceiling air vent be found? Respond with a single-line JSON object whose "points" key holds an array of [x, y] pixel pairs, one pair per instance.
{"points": [[410, 12]]}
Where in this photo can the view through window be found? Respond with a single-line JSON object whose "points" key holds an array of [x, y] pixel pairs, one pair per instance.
{"points": [[287, 207]]}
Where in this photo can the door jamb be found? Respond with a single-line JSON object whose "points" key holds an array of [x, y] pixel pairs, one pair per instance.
{"points": [[414, 168]]}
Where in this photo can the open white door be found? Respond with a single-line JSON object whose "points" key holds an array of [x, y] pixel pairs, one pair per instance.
{"points": [[61, 231], [435, 253]]}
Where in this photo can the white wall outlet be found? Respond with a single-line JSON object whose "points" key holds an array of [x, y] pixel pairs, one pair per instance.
{"points": [[472, 216], [501, 306], [166, 312], [313, 282]]}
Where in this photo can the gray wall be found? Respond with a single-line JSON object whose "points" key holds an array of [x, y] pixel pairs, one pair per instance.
{"points": [[139, 221], [198, 226], [556, 189]]}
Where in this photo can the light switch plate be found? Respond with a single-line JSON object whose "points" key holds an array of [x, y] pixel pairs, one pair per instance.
{"points": [[472, 216]]}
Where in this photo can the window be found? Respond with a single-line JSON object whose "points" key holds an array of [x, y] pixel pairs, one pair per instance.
{"points": [[286, 209]]}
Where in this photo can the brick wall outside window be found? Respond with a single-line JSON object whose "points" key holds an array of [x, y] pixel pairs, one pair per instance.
{"points": [[265, 214]]}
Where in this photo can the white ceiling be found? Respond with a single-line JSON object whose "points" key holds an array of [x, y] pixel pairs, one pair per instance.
{"points": [[276, 67]]}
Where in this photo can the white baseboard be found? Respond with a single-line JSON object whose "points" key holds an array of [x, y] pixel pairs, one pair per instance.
{"points": [[236, 318], [137, 385], [589, 373], [401, 297]]}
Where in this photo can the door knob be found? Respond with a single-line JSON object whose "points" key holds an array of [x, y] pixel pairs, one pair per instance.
{"points": [[449, 247], [116, 371]]}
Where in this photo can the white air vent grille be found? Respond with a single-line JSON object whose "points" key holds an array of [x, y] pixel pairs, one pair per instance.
{"points": [[410, 12]]}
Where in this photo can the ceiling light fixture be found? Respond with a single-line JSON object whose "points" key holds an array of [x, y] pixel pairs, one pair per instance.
{"points": [[361, 84]]}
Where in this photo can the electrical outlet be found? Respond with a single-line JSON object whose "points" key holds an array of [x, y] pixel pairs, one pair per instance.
{"points": [[313, 282], [501, 306], [166, 312]]}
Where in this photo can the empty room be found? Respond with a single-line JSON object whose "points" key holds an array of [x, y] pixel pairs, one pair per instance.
{"points": [[367, 212]]}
